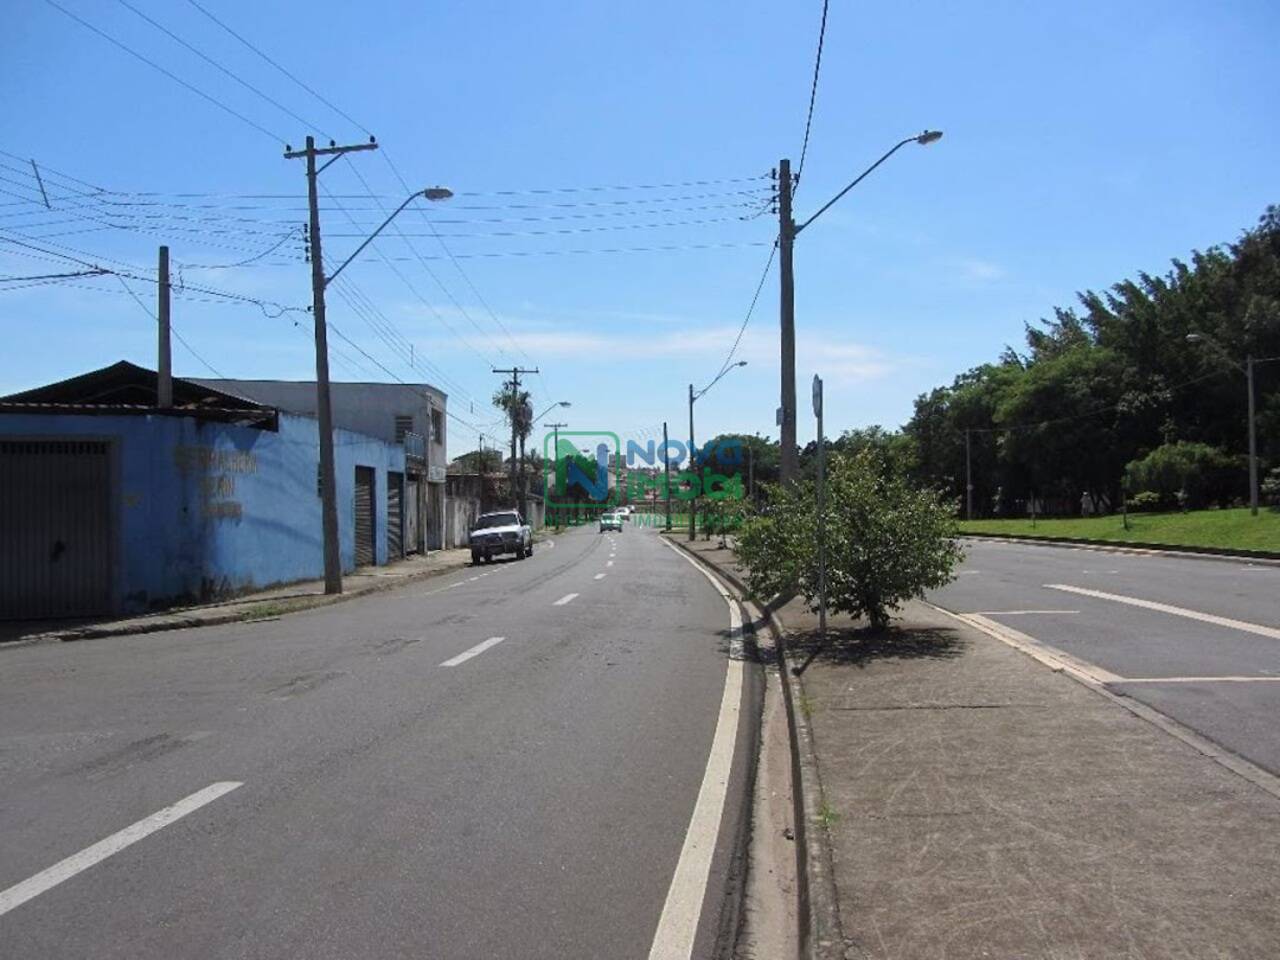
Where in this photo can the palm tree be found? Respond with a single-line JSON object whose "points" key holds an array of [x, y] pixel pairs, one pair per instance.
{"points": [[519, 414]]}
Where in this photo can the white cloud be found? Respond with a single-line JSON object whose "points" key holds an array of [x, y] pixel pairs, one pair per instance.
{"points": [[981, 271]]}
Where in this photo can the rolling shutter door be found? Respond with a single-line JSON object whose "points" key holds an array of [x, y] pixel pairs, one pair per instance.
{"points": [[395, 516], [364, 516], [55, 528]]}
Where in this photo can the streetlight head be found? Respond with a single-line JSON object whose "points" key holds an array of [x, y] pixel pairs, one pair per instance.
{"points": [[437, 193], [741, 363], [928, 137], [565, 403]]}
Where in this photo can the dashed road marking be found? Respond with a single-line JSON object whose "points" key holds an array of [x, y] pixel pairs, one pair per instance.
{"points": [[49, 878], [599, 576], [475, 651], [567, 598]]}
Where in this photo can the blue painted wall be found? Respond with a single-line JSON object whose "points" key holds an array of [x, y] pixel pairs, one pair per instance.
{"points": [[209, 509]]}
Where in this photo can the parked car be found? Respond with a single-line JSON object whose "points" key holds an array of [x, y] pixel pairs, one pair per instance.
{"points": [[503, 531], [610, 521]]}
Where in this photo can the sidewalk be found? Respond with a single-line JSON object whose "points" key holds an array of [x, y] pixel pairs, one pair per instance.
{"points": [[977, 804], [262, 604]]}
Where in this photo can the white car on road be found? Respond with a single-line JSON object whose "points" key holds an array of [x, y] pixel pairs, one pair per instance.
{"points": [[503, 531]]}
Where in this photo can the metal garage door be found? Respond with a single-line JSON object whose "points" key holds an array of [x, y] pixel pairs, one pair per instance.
{"points": [[55, 528], [395, 515], [364, 516]]}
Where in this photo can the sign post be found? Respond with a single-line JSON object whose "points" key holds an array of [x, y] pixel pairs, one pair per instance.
{"points": [[822, 520]]}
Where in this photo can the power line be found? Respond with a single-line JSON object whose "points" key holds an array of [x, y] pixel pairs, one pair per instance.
{"points": [[216, 65], [273, 63], [750, 310], [172, 329], [813, 91], [172, 76]]}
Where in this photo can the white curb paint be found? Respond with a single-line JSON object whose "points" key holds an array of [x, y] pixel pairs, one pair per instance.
{"points": [[20, 893], [478, 649], [1258, 628]]}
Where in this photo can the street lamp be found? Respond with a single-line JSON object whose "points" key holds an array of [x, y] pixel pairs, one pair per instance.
{"points": [[787, 231], [1247, 369], [694, 395], [430, 193]]}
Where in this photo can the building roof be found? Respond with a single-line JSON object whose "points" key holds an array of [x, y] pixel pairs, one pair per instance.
{"points": [[126, 388]]}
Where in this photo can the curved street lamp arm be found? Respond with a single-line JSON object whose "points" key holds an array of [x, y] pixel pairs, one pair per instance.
{"points": [[718, 378], [360, 249], [862, 176]]}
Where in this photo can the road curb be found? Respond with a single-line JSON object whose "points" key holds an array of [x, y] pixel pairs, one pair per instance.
{"points": [[1137, 547], [178, 621], [821, 933]]}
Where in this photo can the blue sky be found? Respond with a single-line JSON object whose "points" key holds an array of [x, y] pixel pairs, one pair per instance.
{"points": [[1084, 142]]}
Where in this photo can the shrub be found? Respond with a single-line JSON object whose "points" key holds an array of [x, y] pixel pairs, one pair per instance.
{"points": [[1189, 474], [887, 542], [1148, 501], [1270, 488]]}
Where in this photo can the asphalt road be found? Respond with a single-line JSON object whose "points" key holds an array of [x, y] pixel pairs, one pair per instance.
{"points": [[409, 787], [1197, 639]]}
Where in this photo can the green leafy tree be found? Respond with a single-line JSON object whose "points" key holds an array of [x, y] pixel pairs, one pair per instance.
{"points": [[1187, 474], [887, 541]]}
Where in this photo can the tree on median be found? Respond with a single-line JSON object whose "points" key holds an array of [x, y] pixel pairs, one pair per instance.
{"points": [[886, 541]]}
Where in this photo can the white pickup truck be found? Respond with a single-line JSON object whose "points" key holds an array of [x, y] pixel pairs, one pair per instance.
{"points": [[503, 531]]}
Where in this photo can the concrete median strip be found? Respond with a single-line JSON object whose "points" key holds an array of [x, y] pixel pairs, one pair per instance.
{"points": [[63, 870]]}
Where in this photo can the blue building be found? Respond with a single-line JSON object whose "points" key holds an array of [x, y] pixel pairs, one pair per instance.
{"points": [[109, 504]]}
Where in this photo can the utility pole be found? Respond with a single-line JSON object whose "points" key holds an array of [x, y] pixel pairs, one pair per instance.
{"points": [[693, 467], [1253, 440], [968, 477], [786, 238], [514, 417], [822, 519], [324, 410], [164, 365], [666, 466], [555, 462]]}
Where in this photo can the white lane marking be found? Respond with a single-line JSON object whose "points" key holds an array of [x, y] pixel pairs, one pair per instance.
{"points": [[599, 576], [1017, 613], [1260, 629], [567, 598], [609, 563], [473, 579], [1201, 680], [47, 879], [968, 573], [478, 649], [678, 925]]}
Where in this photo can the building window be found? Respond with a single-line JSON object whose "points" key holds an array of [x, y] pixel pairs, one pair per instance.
{"points": [[437, 426], [404, 424]]}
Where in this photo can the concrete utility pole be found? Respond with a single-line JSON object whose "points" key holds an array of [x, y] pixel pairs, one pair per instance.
{"points": [[513, 416], [324, 410], [555, 461], [164, 364], [968, 477], [786, 239], [666, 466], [822, 519]]}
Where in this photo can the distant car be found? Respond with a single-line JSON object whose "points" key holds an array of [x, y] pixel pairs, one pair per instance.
{"points": [[610, 521], [503, 531], [624, 512]]}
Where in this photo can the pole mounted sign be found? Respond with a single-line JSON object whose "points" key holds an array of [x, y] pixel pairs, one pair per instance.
{"points": [[817, 395]]}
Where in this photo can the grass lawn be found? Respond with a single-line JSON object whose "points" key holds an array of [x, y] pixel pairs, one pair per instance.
{"points": [[1227, 529]]}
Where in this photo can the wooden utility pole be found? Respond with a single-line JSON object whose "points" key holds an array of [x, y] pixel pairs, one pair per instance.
{"points": [[666, 467], [786, 238], [164, 364], [324, 410], [517, 468]]}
